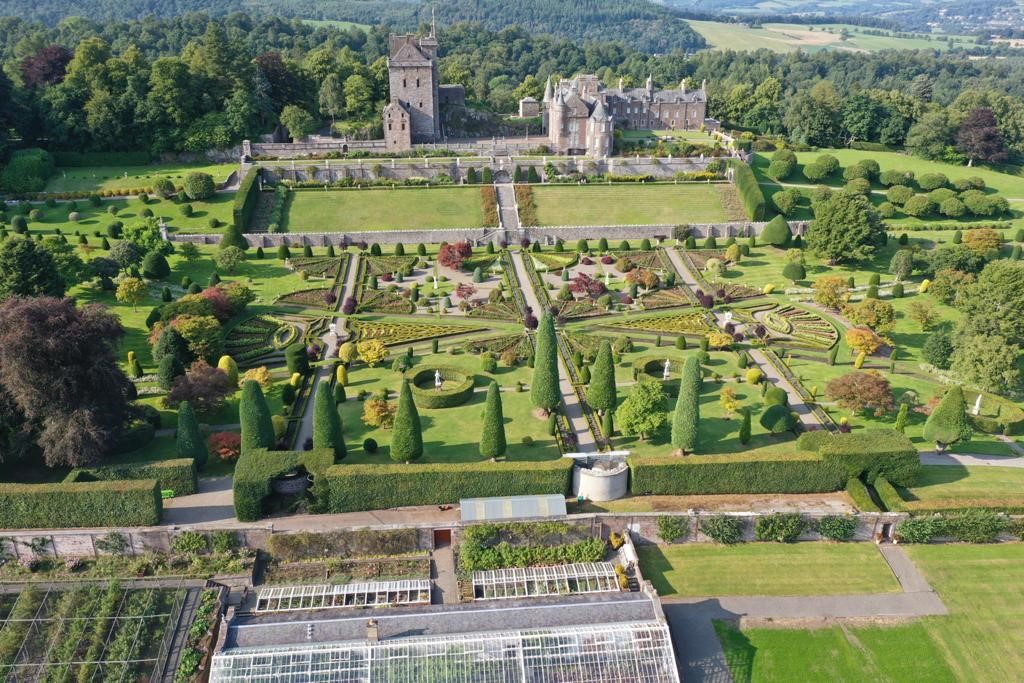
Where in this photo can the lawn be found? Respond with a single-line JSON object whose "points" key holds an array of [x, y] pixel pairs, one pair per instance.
{"points": [[89, 178], [981, 640], [706, 569], [97, 218], [952, 486], [385, 209], [793, 37], [630, 204]]}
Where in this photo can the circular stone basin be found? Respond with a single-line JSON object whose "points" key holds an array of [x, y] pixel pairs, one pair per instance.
{"points": [[290, 484]]}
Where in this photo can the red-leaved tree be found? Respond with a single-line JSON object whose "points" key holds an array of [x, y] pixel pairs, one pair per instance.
{"points": [[453, 255], [857, 391], [584, 284]]}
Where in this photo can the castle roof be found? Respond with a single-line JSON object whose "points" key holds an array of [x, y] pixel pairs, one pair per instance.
{"points": [[576, 105], [600, 113], [406, 49]]}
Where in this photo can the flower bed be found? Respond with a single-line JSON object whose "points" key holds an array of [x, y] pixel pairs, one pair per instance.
{"points": [[699, 259], [806, 326], [667, 298], [580, 308], [499, 310], [404, 332], [321, 266], [338, 571], [380, 265], [258, 336], [680, 323], [518, 343], [733, 292], [384, 301], [641, 259], [484, 261], [457, 387], [306, 298], [553, 262]]}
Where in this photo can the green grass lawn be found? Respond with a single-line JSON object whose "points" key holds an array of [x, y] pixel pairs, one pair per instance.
{"points": [[707, 569], [981, 640], [385, 209], [793, 37], [629, 204], [950, 486], [129, 212], [89, 178]]}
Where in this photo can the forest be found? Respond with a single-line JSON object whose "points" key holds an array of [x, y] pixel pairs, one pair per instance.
{"points": [[192, 83]]}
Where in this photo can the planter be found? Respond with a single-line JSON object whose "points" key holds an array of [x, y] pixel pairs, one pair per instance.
{"points": [[290, 484]]}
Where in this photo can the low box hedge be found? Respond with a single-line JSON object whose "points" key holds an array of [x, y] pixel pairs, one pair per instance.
{"points": [[257, 466], [889, 496], [178, 474], [860, 496], [80, 504], [374, 487], [456, 390]]}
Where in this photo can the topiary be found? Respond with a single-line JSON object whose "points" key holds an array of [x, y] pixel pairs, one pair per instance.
{"points": [[777, 232], [776, 396], [254, 415], [777, 419], [794, 272], [198, 186], [949, 423]]}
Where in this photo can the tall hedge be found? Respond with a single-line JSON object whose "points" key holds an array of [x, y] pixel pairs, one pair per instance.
{"points": [[177, 474], [545, 392], [245, 201], [254, 415], [492, 437], [686, 416], [601, 391], [80, 504], [406, 433], [326, 422], [257, 466], [190, 442], [374, 487], [749, 190]]}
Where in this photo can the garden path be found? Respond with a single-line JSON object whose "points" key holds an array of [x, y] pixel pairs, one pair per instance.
{"points": [[326, 369], [508, 210], [971, 460], [700, 652], [573, 409]]}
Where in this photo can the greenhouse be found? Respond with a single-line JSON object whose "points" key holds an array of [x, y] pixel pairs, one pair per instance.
{"points": [[523, 582], [294, 598], [628, 652]]}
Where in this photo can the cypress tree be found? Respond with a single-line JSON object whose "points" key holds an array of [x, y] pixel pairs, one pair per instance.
{"points": [[687, 412], [745, 427], [189, 443], [326, 422], [544, 392], [169, 368], [901, 418], [339, 394], [601, 392], [171, 343], [407, 435], [399, 249], [307, 251], [492, 438], [948, 423], [253, 413]]}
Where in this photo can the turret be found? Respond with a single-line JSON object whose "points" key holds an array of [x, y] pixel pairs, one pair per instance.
{"points": [[650, 85], [682, 86]]}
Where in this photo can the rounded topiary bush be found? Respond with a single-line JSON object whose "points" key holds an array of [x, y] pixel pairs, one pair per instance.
{"points": [[370, 446], [775, 396], [457, 387], [74, 216], [186, 210], [19, 224], [776, 232], [35, 214], [199, 186]]}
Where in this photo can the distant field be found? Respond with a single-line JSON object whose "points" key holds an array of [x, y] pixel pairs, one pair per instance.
{"points": [[792, 37], [629, 204], [344, 25], [404, 209], [130, 177]]}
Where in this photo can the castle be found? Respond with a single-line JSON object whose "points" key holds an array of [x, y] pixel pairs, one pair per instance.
{"points": [[580, 114]]}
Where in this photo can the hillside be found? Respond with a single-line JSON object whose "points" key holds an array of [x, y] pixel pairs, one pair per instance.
{"points": [[640, 24]]}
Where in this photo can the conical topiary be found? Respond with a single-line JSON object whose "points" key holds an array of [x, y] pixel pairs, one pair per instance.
{"points": [[254, 415], [686, 416], [545, 393], [777, 232], [492, 437], [601, 392], [948, 423], [189, 442], [326, 422], [407, 434]]}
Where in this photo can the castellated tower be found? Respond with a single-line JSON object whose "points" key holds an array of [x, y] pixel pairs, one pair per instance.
{"points": [[412, 71]]}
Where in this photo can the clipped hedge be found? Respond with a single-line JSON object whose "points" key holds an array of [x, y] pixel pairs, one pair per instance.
{"points": [[178, 474], [820, 462], [257, 466], [457, 388], [749, 190], [373, 487], [858, 492], [80, 504], [245, 200], [889, 496]]}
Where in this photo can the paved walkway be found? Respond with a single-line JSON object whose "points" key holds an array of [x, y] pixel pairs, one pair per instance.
{"points": [[508, 210], [573, 409], [442, 571], [700, 652], [326, 370], [971, 460]]}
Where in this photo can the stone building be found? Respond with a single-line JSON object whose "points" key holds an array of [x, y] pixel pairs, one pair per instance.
{"points": [[580, 114]]}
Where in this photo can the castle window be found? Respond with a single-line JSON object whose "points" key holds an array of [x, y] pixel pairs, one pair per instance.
{"points": [[417, 82], [403, 83], [421, 105], [403, 125], [389, 125]]}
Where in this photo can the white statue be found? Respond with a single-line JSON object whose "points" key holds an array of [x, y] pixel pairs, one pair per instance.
{"points": [[334, 329], [668, 366], [437, 380], [435, 281], [977, 405]]}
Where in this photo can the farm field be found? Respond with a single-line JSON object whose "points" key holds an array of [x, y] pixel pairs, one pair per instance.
{"points": [[629, 204], [96, 178], [981, 639], [384, 209], [792, 37], [708, 569]]}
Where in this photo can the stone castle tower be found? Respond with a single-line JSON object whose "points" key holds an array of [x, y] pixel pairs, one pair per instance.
{"points": [[412, 115]]}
